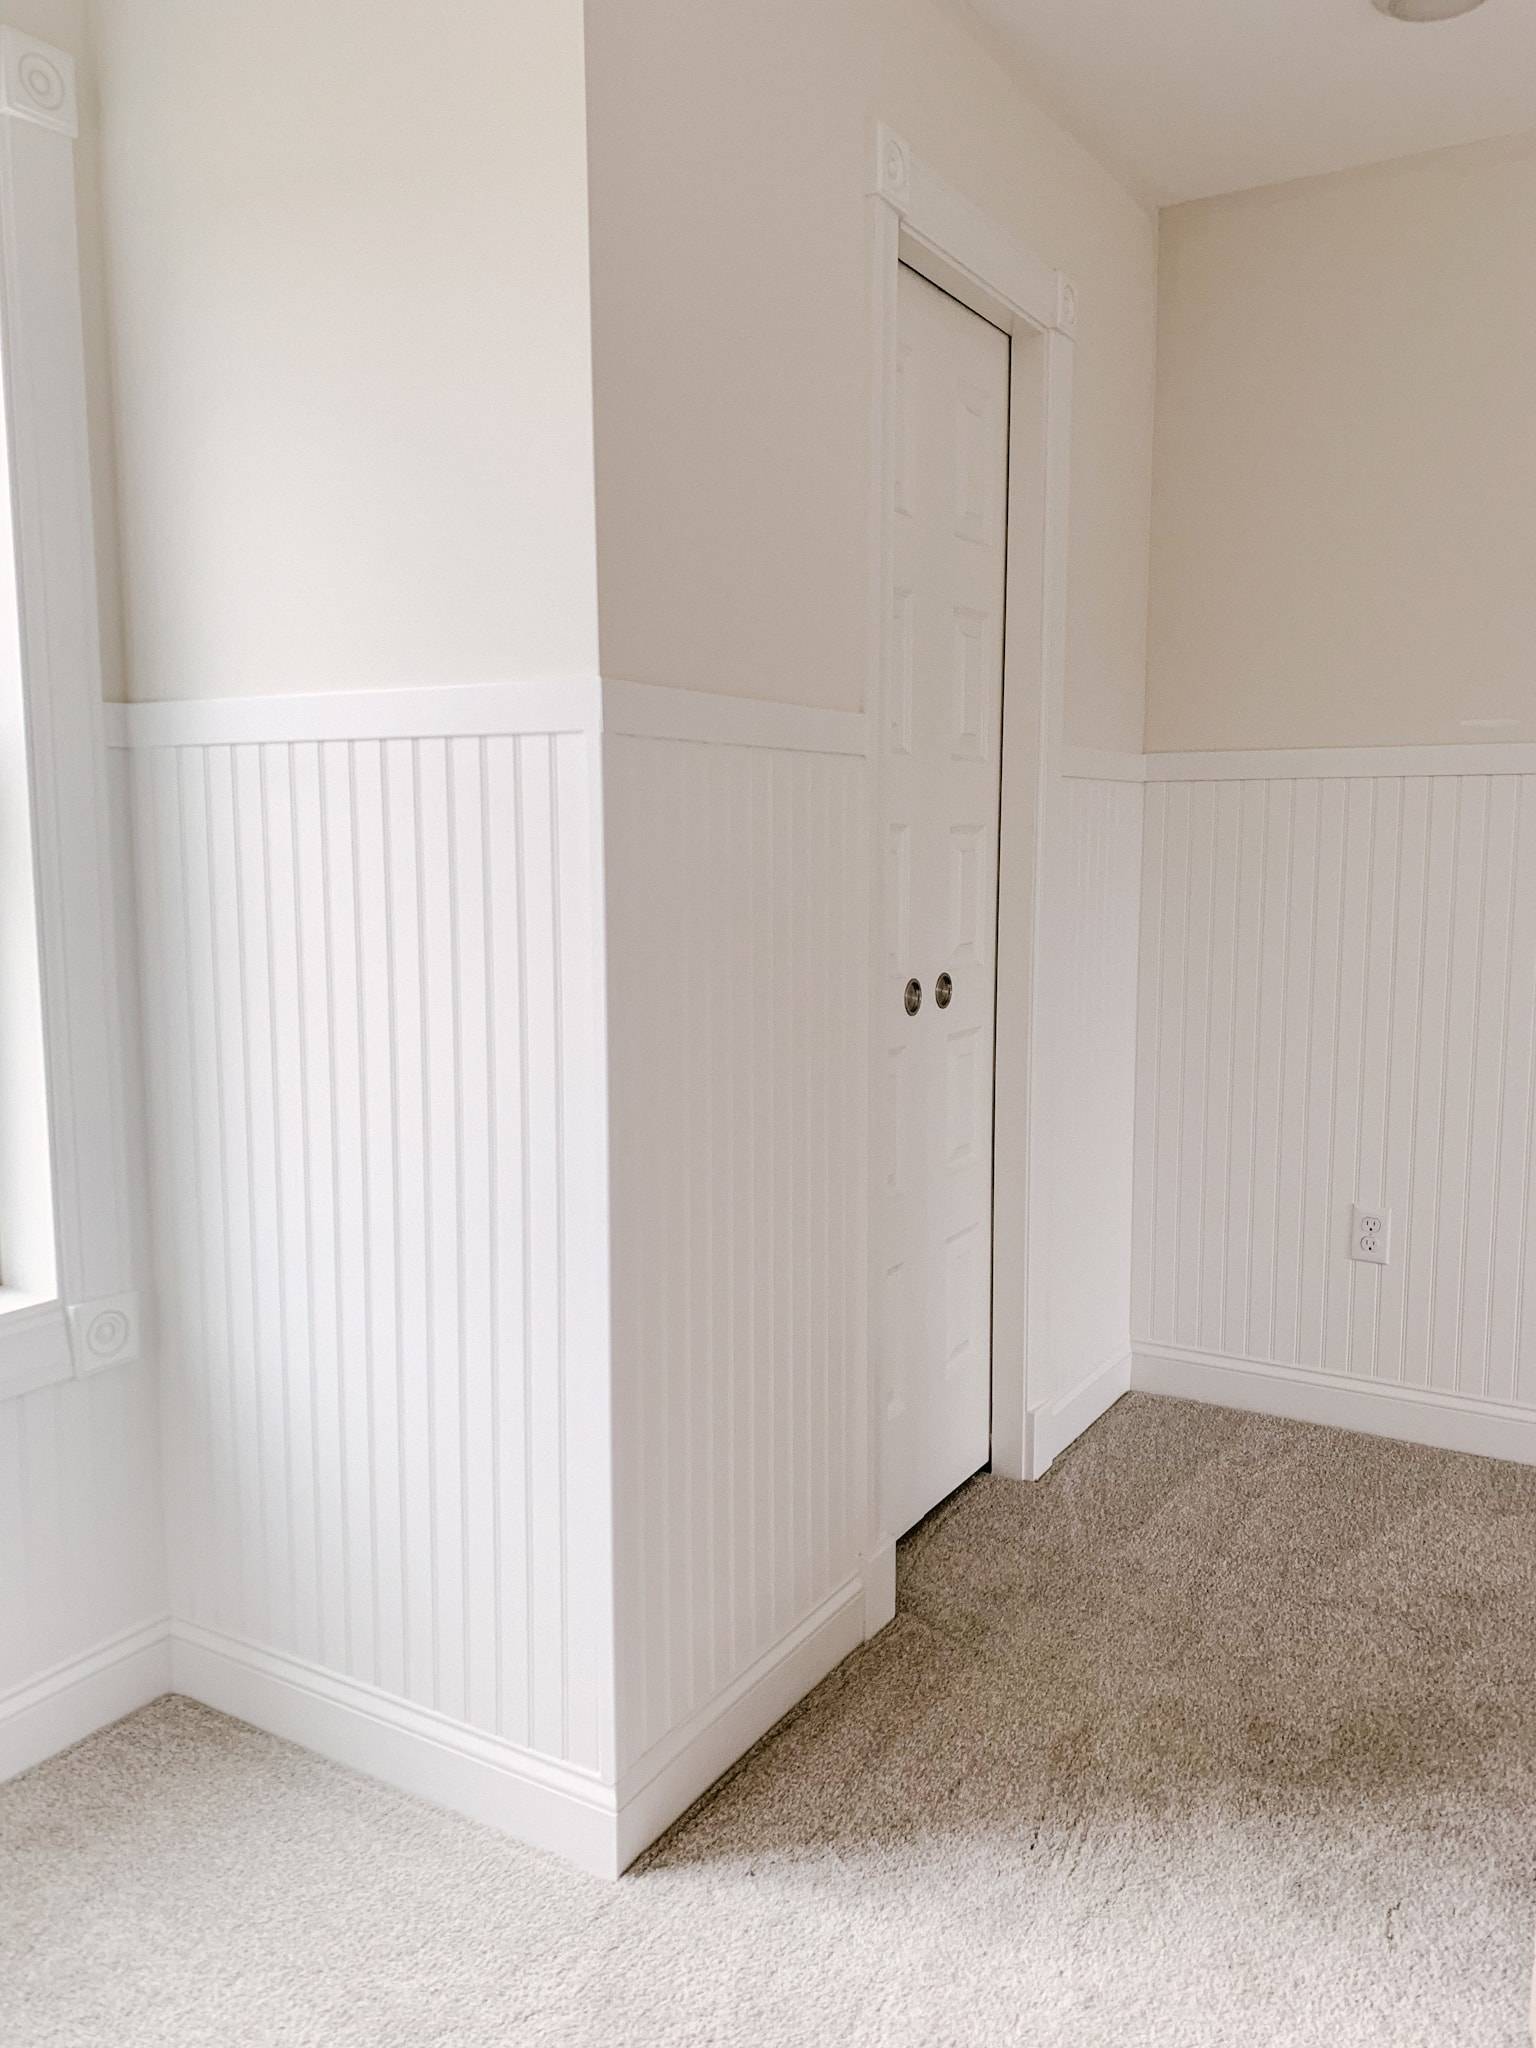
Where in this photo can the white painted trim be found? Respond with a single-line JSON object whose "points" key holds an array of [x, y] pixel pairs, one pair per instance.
{"points": [[37, 83], [884, 279], [1101, 764], [1053, 1428], [103, 1333], [70, 1229], [1040, 443], [653, 1794], [1416, 1415], [663, 1754], [35, 1349], [483, 710], [551, 1805], [879, 1590], [1287, 764], [961, 248], [649, 711], [917, 219], [74, 1699], [452, 710]]}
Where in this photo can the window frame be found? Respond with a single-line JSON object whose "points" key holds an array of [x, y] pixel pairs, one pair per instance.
{"points": [[68, 1301]]}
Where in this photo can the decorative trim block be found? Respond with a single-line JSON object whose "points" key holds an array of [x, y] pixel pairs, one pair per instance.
{"points": [[104, 1332], [37, 82], [893, 168], [962, 249]]}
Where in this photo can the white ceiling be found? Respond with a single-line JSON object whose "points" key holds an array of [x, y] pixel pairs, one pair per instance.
{"points": [[1192, 97]]}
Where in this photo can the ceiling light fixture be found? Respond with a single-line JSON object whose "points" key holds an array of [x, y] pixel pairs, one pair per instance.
{"points": [[1427, 10]]}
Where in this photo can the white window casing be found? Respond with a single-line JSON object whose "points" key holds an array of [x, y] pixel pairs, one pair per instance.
{"points": [[68, 1304]]}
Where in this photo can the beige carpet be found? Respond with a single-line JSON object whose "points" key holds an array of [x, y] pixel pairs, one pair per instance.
{"points": [[1224, 1736]]}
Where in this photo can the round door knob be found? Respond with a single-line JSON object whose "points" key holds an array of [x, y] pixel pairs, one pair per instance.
{"points": [[943, 989], [912, 996]]}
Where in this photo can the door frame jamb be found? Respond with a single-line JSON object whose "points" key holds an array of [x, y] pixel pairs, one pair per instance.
{"points": [[917, 219]]}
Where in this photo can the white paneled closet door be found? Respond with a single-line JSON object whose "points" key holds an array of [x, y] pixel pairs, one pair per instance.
{"points": [[939, 793]]}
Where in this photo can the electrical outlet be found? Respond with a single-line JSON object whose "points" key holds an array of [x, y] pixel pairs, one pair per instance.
{"points": [[1370, 1235]]}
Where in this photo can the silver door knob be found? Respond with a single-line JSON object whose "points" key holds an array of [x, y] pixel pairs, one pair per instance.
{"points": [[943, 989], [912, 996]]}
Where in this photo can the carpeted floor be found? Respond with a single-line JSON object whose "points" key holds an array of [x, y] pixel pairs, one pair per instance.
{"points": [[1224, 1736]]}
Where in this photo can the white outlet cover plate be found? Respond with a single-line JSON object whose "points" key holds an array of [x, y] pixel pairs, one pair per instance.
{"points": [[1370, 1234]]}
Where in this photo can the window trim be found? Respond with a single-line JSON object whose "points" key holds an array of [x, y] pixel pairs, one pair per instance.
{"points": [[68, 1305]]}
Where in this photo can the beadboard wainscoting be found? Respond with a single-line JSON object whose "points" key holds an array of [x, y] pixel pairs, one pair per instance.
{"points": [[371, 941], [1083, 1108], [737, 919], [433, 1510], [1338, 1004]]}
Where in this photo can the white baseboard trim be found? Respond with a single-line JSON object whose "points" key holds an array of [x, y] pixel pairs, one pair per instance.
{"points": [[879, 1590], [666, 1782], [548, 1804], [1049, 1430], [438, 711], [1415, 1415], [74, 1699]]}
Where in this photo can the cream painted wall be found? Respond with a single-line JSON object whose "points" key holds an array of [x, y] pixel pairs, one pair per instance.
{"points": [[1344, 528], [730, 152], [349, 293]]}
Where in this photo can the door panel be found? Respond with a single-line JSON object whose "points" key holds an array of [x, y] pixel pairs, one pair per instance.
{"points": [[940, 766]]}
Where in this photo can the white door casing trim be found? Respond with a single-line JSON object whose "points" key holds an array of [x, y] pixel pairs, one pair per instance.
{"points": [[916, 218], [68, 1300], [1059, 1423]]}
